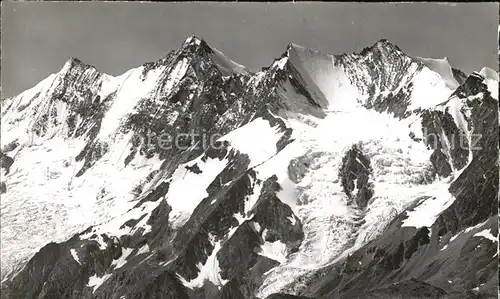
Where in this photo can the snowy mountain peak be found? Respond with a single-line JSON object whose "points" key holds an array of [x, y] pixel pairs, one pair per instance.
{"points": [[195, 46], [192, 47], [381, 77], [442, 67], [191, 177], [380, 48]]}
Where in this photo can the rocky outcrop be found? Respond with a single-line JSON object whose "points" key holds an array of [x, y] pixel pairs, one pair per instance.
{"points": [[459, 76], [415, 259], [162, 259], [299, 166], [76, 88], [355, 177], [6, 162], [476, 189], [214, 219], [423, 262], [450, 144], [286, 296], [386, 79]]}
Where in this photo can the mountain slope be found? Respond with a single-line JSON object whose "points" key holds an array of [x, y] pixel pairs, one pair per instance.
{"points": [[97, 131], [361, 175]]}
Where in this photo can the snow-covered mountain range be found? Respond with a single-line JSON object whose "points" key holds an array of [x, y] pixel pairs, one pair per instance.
{"points": [[365, 175]]}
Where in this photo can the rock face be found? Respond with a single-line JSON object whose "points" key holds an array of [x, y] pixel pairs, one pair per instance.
{"points": [[321, 176], [355, 174], [408, 289]]}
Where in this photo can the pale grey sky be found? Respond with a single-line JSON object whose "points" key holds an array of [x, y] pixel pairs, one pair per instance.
{"points": [[38, 37]]}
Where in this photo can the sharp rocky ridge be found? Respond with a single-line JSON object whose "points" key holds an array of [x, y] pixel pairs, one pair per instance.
{"points": [[364, 175]]}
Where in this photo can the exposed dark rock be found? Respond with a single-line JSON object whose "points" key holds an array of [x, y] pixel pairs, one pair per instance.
{"points": [[90, 155], [472, 86], [238, 253], [355, 173], [411, 289], [476, 189], [194, 168], [193, 238], [459, 76], [440, 163], [274, 215], [59, 275], [156, 251], [156, 194], [420, 238], [286, 296], [231, 290], [10, 147], [385, 69], [383, 263], [395, 103]]}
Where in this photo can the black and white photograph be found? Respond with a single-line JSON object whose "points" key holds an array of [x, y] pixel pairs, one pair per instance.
{"points": [[244, 150]]}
